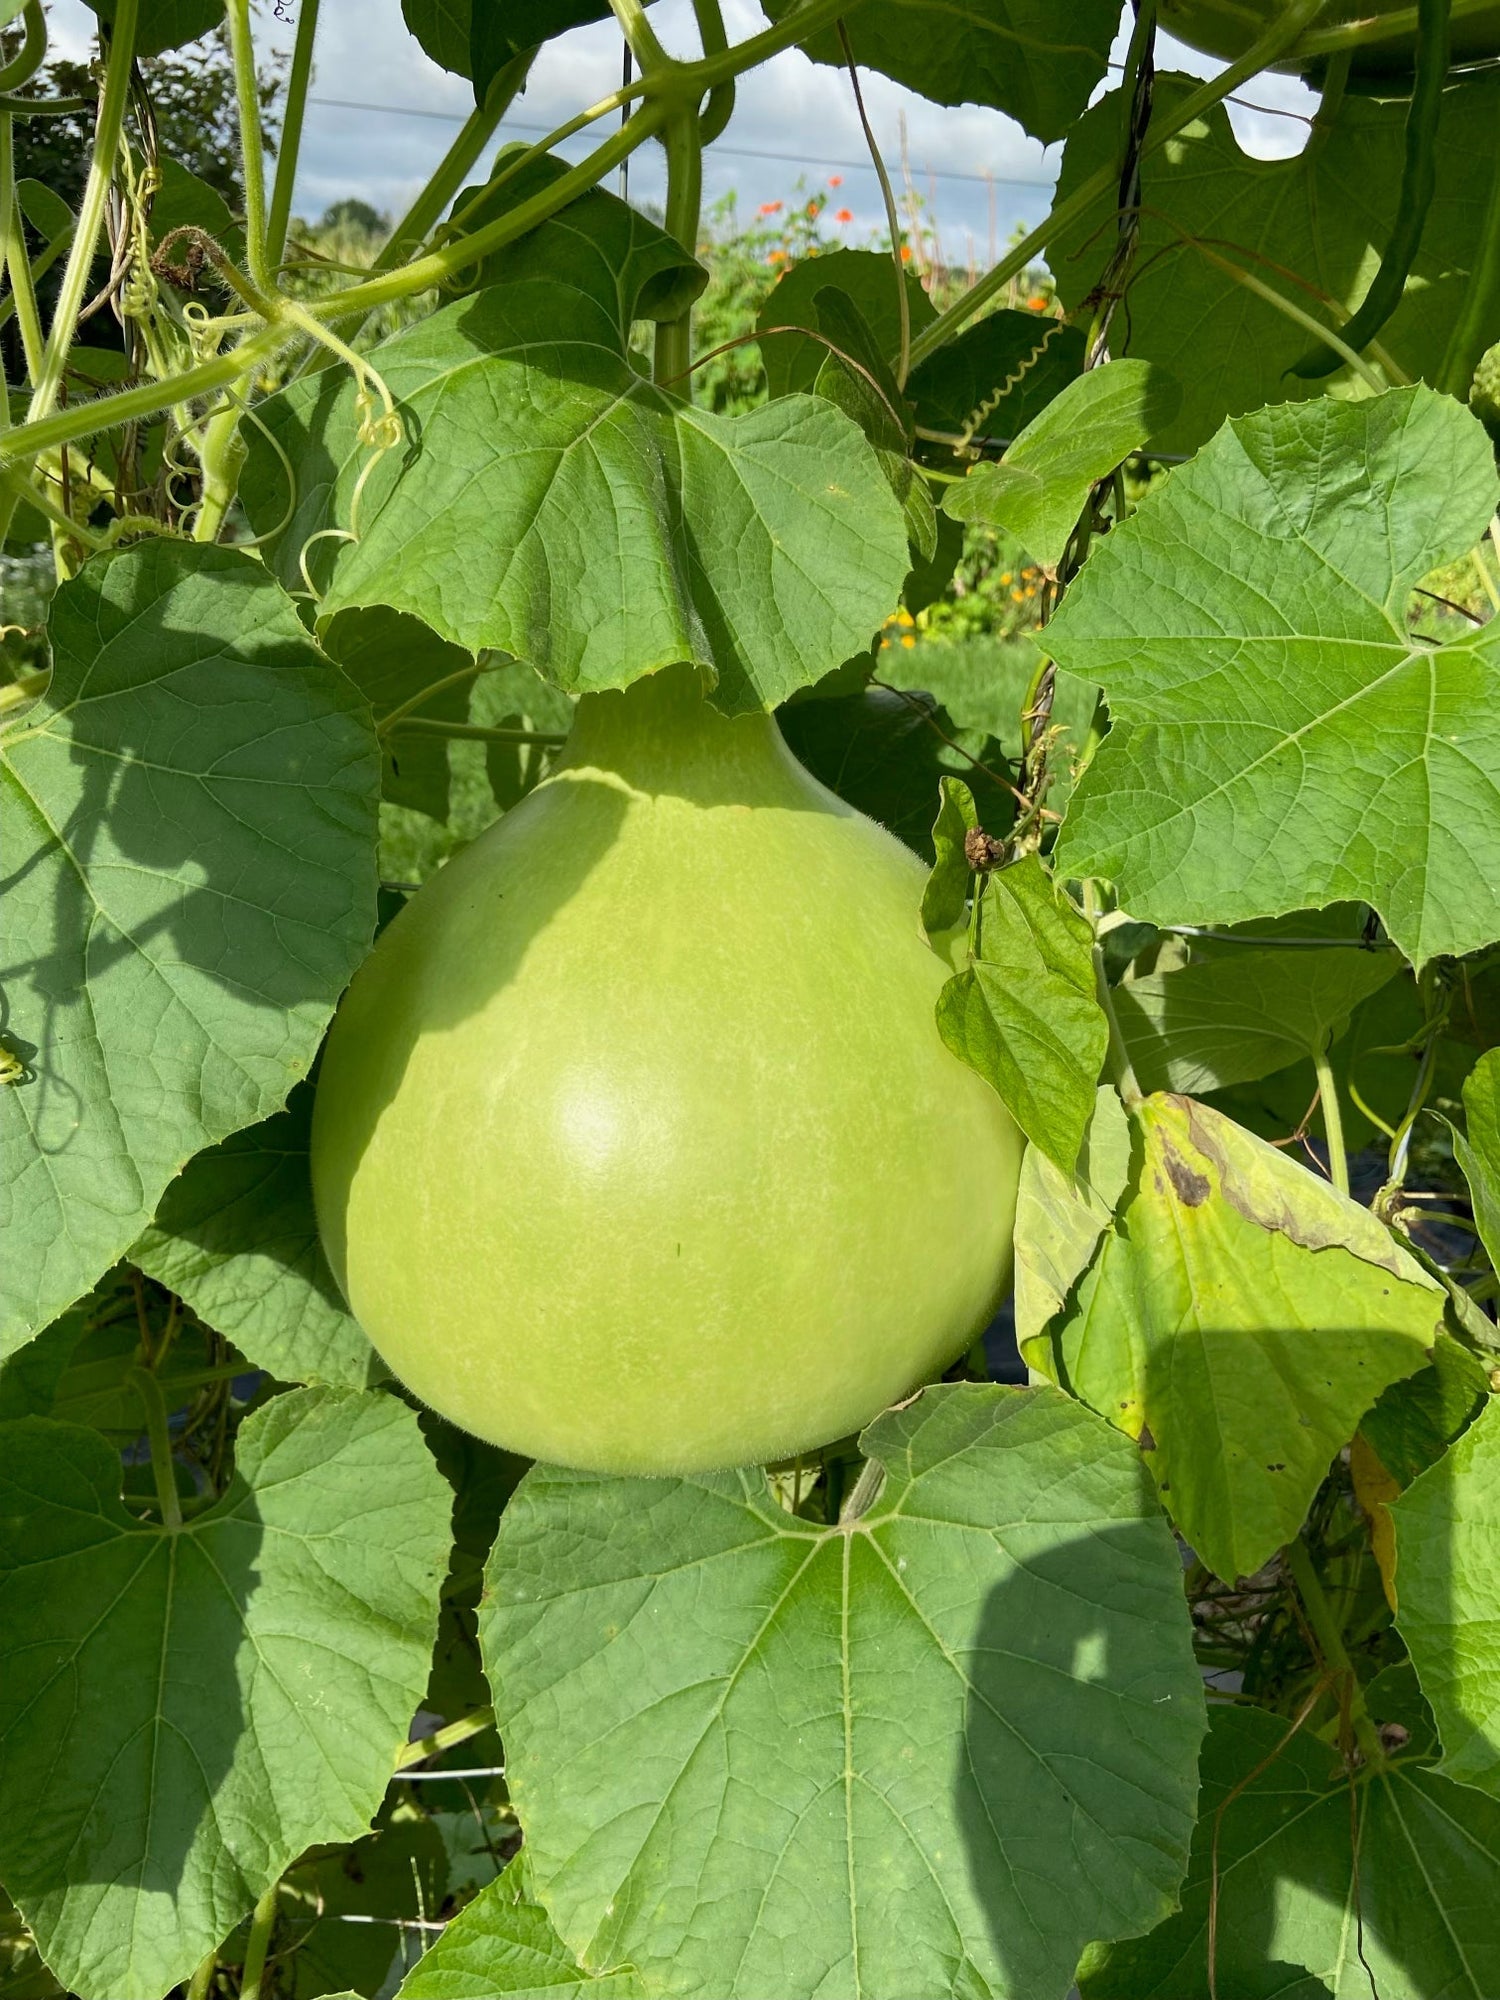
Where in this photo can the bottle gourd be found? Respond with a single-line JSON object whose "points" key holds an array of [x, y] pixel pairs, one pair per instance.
{"points": [[635, 1146]]}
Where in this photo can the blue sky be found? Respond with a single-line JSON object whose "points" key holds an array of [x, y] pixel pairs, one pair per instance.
{"points": [[801, 115]]}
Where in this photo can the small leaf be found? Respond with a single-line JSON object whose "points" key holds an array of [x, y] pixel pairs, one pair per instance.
{"points": [[1415, 1420], [1477, 1149], [190, 818], [1038, 489], [1244, 1315], [755, 1756], [1411, 1914], [866, 281], [1244, 1015], [1448, 1597], [181, 1714], [502, 1947], [1060, 1219], [1025, 1013], [396, 1875], [165, 24], [1032, 58], [1278, 740], [393, 660], [235, 1236], [945, 900]]}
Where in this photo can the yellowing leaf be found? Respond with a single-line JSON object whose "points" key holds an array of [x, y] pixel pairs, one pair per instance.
{"points": [[1239, 1319]]}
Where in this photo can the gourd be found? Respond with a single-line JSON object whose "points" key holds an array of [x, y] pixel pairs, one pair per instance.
{"points": [[635, 1146]]}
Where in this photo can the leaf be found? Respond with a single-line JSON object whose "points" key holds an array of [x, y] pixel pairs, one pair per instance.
{"points": [[1477, 1149], [1448, 1597], [503, 1943], [235, 1236], [165, 24], [1025, 1014], [945, 899], [1414, 1421], [597, 245], [997, 374], [474, 38], [1312, 227], [1032, 58], [757, 1756], [867, 280], [886, 751], [1289, 1886], [1239, 1319], [399, 1873], [766, 548], [1039, 488], [182, 1714], [1278, 740], [189, 818], [392, 660], [1244, 1015], [1060, 1218]]}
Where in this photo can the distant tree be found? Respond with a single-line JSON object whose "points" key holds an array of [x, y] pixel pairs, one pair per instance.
{"points": [[191, 95], [356, 216]]}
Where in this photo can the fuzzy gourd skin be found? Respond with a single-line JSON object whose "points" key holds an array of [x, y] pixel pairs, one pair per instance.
{"points": [[636, 1147]]}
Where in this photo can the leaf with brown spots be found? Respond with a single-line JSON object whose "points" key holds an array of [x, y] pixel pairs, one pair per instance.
{"points": [[1241, 1315]]}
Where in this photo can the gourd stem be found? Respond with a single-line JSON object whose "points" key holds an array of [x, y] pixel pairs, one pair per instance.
{"points": [[261, 1926], [1120, 1066], [1333, 1120], [1329, 1635]]}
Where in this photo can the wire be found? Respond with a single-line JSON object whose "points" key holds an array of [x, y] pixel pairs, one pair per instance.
{"points": [[740, 152]]}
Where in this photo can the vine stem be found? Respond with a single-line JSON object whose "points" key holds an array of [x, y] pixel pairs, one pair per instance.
{"points": [[446, 1738], [299, 77], [454, 167], [13, 258], [1333, 1118], [892, 220], [203, 1979], [252, 139], [1120, 1066], [148, 1389], [1287, 29], [478, 732], [29, 58], [1329, 1635], [674, 337], [75, 278], [863, 1493], [262, 1923]]}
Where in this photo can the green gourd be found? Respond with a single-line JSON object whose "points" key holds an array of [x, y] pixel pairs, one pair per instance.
{"points": [[636, 1147]]}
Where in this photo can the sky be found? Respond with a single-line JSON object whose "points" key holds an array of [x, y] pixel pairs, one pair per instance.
{"points": [[976, 171]]}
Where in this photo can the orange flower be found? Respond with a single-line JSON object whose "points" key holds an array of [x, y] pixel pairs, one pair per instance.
{"points": [[770, 208], [813, 208], [1037, 303], [777, 257], [907, 639], [844, 215], [835, 180], [906, 253]]}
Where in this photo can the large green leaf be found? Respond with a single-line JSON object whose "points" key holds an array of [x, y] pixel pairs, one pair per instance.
{"points": [[757, 1756], [165, 24], [609, 528], [1244, 1015], [1037, 59], [502, 1947], [1038, 489], [1239, 1319], [1409, 1914], [189, 828], [1448, 1596], [1279, 739], [1024, 1012], [1312, 227], [181, 1714], [236, 1237]]}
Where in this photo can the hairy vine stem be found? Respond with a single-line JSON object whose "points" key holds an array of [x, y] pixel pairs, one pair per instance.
{"points": [[262, 1924], [298, 79]]}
